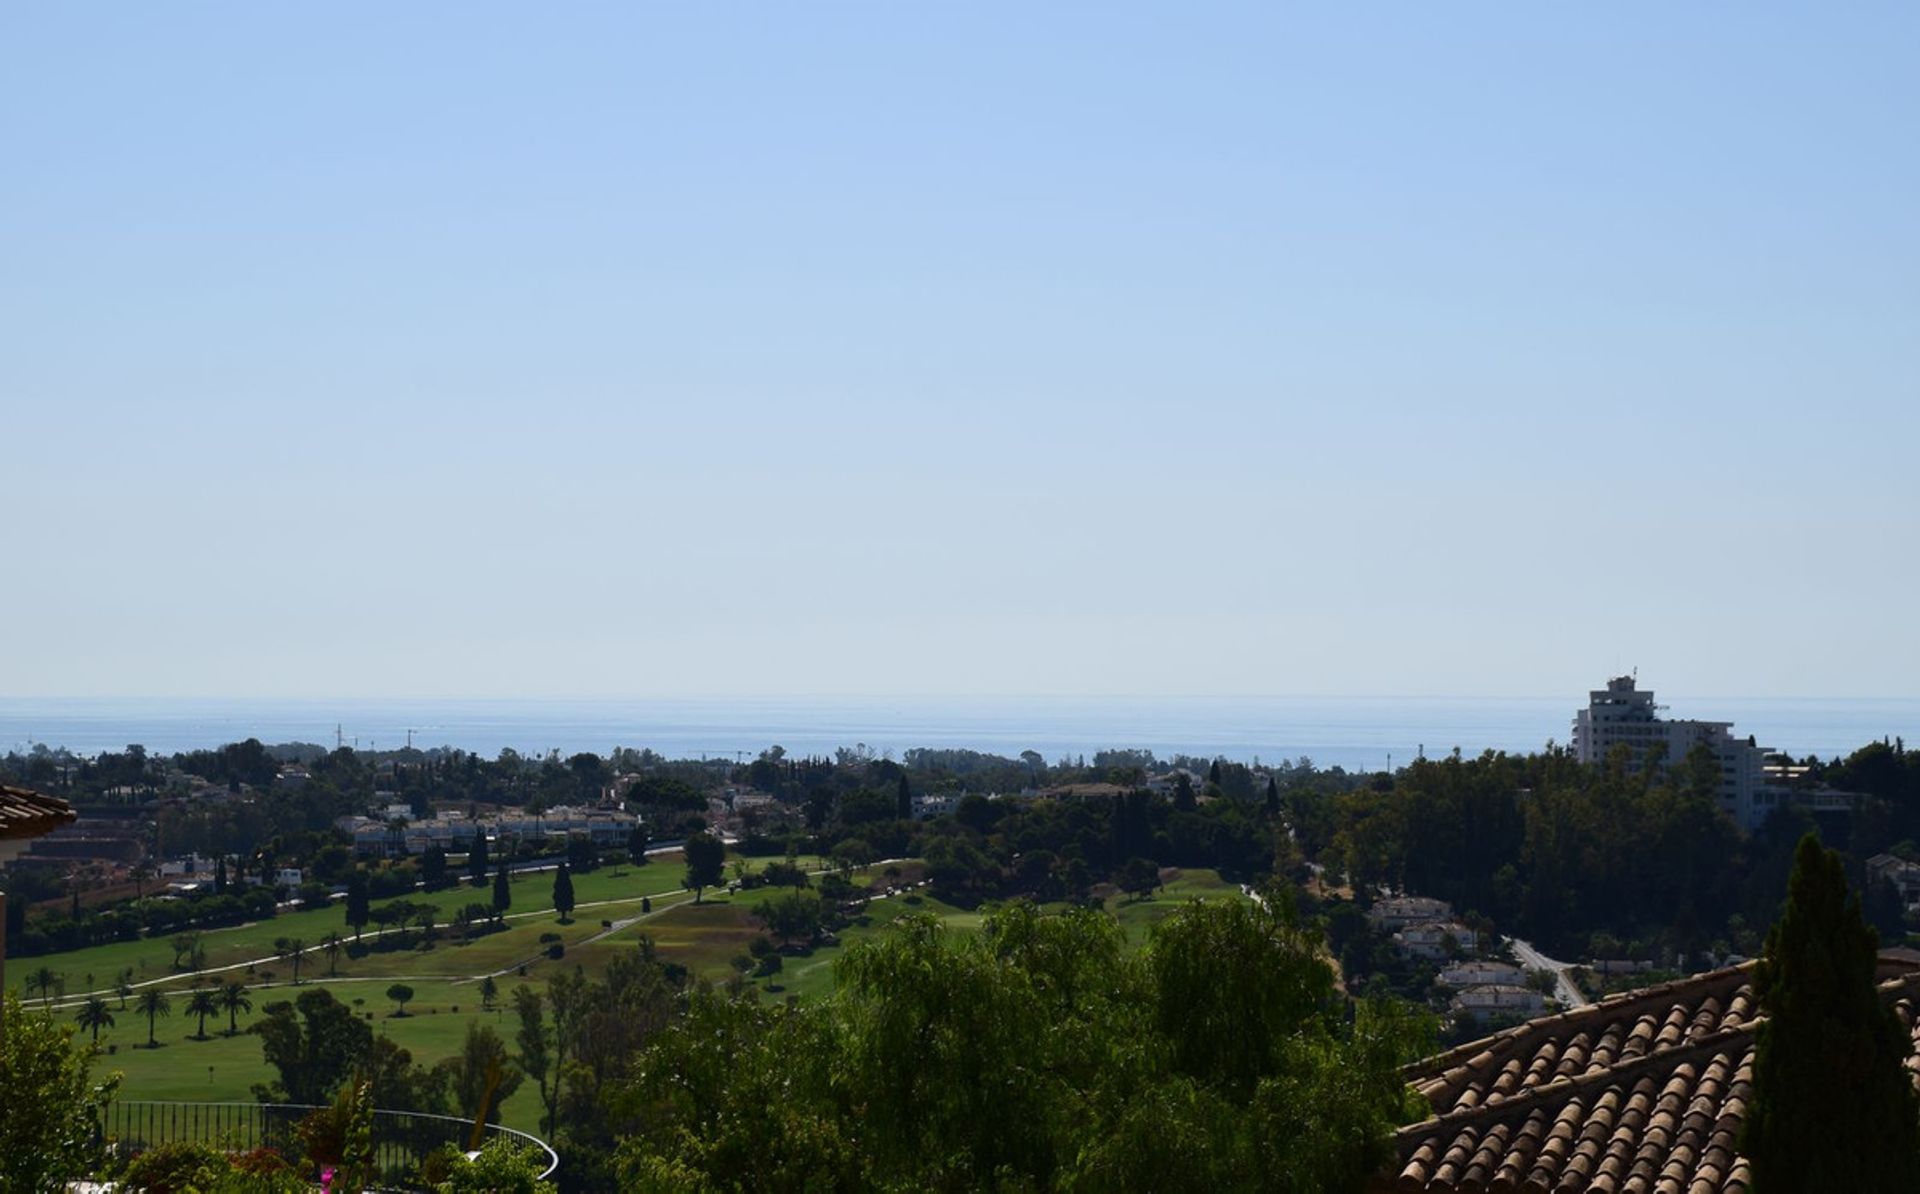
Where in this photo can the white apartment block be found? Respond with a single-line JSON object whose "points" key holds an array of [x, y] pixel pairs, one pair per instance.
{"points": [[1622, 714]]}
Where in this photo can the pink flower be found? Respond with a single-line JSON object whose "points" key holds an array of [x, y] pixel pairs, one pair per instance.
{"points": [[326, 1179]]}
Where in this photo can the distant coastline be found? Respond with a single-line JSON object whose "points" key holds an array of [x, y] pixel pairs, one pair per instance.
{"points": [[1351, 732]]}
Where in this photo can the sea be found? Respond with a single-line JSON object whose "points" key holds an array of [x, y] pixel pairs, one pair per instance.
{"points": [[1353, 732]]}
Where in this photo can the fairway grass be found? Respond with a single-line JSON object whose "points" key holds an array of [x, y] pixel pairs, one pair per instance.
{"points": [[704, 937]]}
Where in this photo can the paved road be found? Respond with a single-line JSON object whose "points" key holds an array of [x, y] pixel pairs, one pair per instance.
{"points": [[1564, 990]]}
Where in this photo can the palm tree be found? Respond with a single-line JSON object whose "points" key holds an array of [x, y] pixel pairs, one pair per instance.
{"points": [[123, 986], [295, 948], [94, 1015], [205, 1002], [333, 945], [153, 1002], [233, 1001], [42, 980]]}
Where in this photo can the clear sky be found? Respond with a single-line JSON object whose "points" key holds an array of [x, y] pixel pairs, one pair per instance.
{"points": [[425, 349]]}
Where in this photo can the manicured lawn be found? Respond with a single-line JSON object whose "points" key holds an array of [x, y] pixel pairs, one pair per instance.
{"points": [[223, 1068], [704, 937], [611, 892]]}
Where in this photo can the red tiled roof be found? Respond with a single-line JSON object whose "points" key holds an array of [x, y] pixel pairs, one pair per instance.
{"points": [[1642, 1093], [29, 814]]}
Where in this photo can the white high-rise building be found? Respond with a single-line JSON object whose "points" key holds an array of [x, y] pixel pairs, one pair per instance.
{"points": [[1622, 714]]}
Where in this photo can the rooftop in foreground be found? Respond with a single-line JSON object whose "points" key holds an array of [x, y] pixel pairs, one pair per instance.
{"points": [[25, 813], [1642, 1092]]}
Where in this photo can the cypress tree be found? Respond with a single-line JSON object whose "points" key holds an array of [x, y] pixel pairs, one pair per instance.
{"points": [[1273, 797], [1183, 797], [220, 875], [903, 801], [358, 910], [1833, 1106], [563, 891], [477, 859], [502, 892]]}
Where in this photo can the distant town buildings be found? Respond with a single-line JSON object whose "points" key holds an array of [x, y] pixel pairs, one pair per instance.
{"points": [[394, 836]]}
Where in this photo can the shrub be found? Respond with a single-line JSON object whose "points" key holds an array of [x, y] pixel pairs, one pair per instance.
{"points": [[502, 1167], [174, 1169], [556, 951]]}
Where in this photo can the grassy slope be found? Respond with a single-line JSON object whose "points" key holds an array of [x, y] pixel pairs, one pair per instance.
{"points": [[702, 937]]}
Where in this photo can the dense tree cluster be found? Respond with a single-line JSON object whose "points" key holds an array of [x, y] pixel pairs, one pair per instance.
{"points": [[1039, 1054], [1566, 855]]}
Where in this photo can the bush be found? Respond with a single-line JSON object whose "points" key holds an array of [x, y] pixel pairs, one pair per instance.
{"points": [[502, 1167], [174, 1169], [556, 951]]}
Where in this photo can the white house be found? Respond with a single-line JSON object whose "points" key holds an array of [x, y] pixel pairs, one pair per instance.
{"points": [[1436, 939], [1480, 974], [941, 804], [1500, 999], [1401, 911]]}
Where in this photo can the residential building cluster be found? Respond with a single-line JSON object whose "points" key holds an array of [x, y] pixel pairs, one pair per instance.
{"points": [[1426, 929], [390, 836]]}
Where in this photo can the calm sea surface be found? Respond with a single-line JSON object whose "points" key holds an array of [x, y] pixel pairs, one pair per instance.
{"points": [[1352, 732]]}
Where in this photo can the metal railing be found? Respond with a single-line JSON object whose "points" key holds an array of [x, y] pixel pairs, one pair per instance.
{"points": [[402, 1140]]}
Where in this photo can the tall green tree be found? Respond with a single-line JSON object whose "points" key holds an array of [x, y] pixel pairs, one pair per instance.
{"points": [[482, 1072], [535, 1040], [477, 860], [502, 892], [706, 857], [1833, 1105], [153, 1003], [53, 1110], [93, 1015], [563, 892], [313, 1043], [233, 1001], [204, 1002], [359, 902]]}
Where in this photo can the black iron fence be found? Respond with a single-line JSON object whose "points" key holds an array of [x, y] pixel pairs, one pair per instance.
{"points": [[402, 1140]]}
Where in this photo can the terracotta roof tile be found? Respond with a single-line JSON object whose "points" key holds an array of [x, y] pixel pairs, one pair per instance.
{"points": [[1642, 1093], [30, 814]]}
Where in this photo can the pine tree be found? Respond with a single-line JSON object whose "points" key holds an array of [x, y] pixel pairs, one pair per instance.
{"points": [[1833, 1106], [563, 892]]}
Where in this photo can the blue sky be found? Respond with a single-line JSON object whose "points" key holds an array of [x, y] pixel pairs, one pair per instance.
{"points": [[592, 350]]}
